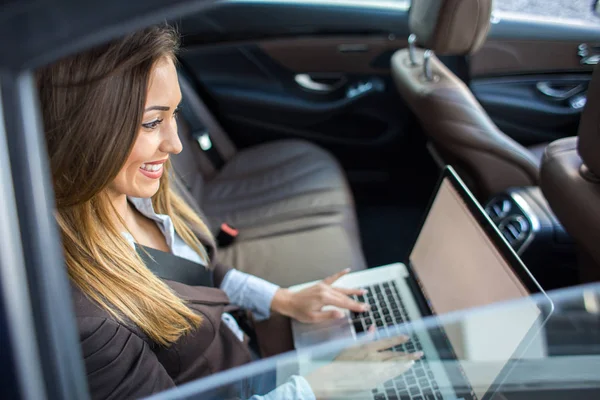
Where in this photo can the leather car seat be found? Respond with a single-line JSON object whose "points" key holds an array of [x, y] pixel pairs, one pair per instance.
{"points": [[570, 181], [458, 126], [290, 199]]}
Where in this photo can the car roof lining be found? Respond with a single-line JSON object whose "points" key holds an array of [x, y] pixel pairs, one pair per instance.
{"points": [[35, 33]]}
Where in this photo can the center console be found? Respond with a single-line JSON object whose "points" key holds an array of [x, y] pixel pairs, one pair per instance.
{"points": [[525, 219]]}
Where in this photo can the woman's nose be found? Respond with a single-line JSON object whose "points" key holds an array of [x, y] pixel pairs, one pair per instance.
{"points": [[171, 143]]}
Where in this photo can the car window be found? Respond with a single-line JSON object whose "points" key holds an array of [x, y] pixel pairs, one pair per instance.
{"points": [[562, 10], [519, 349]]}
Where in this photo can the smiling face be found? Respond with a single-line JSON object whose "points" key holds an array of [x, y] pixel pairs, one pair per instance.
{"points": [[157, 137]]}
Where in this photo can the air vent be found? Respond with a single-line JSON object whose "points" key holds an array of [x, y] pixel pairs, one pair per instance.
{"points": [[515, 229], [498, 208]]}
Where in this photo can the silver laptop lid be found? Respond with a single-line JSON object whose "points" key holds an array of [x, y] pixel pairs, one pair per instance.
{"points": [[461, 261]]}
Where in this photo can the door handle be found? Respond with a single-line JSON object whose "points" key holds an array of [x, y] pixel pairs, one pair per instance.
{"points": [[558, 94], [307, 82], [589, 54]]}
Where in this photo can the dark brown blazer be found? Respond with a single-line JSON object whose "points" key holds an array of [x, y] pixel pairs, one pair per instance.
{"points": [[122, 362]]}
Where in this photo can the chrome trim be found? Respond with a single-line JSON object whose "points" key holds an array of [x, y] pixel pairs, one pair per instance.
{"points": [[588, 56], [578, 102], [591, 302], [306, 82], [381, 4], [427, 65], [521, 202], [591, 60], [412, 40], [546, 89], [505, 207], [530, 215], [204, 141], [522, 221]]}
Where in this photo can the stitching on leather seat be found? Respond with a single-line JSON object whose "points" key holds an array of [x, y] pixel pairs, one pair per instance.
{"points": [[238, 209], [288, 179]]}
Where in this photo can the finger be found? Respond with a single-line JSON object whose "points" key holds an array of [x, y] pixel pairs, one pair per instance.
{"points": [[342, 301], [367, 337], [400, 356], [391, 369], [330, 279], [329, 315], [350, 292], [401, 366], [386, 343], [362, 307]]}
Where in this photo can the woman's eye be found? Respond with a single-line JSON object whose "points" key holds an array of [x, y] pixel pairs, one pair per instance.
{"points": [[176, 111], [153, 124]]}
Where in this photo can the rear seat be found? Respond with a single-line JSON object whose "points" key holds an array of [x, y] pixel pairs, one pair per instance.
{"points": [[289, 199]]}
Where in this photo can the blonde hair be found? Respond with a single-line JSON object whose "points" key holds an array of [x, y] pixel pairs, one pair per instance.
{"points": [[94, 101]]}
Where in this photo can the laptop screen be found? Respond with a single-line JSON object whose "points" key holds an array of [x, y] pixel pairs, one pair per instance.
{"points": [[459, 267]]}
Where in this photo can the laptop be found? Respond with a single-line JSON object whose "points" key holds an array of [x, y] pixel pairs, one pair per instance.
{"points": [[458, 261]]}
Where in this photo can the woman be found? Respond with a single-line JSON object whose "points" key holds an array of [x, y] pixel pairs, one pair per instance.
{"points": [[110, 120]]}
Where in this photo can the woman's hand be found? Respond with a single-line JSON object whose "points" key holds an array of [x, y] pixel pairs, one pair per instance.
{"points": [[361, 368], [306, 305]]}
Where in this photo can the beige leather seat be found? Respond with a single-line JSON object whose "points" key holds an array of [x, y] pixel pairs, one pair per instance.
{"points": [[570, 181], [289, 198], [459, 128]]}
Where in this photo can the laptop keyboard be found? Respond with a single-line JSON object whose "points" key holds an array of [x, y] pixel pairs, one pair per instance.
{"points": [[387, 310]]}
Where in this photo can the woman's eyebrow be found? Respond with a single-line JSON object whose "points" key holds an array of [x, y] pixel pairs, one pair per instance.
{"points": [[159, 108]]}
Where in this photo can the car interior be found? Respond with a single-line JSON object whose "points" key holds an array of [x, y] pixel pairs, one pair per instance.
{"points": [[318, 130], [333, 141]]}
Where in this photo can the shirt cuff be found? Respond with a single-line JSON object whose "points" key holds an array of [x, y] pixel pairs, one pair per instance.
{"points": [[250, 292], [303, 388]]}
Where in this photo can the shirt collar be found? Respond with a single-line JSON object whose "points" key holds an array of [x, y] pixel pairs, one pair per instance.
{"points": [[145, 207], [164, 222]]}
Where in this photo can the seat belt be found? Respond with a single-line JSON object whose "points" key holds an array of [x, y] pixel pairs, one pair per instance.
{"points": [[202, 136], [173, 268]]}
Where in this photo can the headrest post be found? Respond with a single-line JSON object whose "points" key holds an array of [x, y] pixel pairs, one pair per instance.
{"points": [[412, 39], [427, 65]]}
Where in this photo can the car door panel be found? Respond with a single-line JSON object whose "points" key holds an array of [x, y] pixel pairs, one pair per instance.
{"points": [[529, 116], [256, 90], [525, 58], [246, 57], [360, 55], [504, 57], [519, 45]]}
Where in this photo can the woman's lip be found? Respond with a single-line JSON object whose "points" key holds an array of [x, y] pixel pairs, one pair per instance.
{"points": [[156, 162], [152, 174]]}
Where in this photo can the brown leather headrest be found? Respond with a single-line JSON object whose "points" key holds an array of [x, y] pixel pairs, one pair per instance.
{"points": [[589, 126], [450, 27]]}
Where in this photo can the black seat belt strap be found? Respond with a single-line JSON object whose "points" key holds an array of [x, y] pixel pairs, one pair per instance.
{"points": [[202, 136], [173, 268]]}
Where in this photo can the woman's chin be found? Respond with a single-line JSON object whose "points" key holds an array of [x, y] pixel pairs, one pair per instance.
{"points": [[145, 191]]}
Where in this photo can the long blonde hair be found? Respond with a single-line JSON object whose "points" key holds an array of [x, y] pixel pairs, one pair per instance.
{"points": [[92, 106]]}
